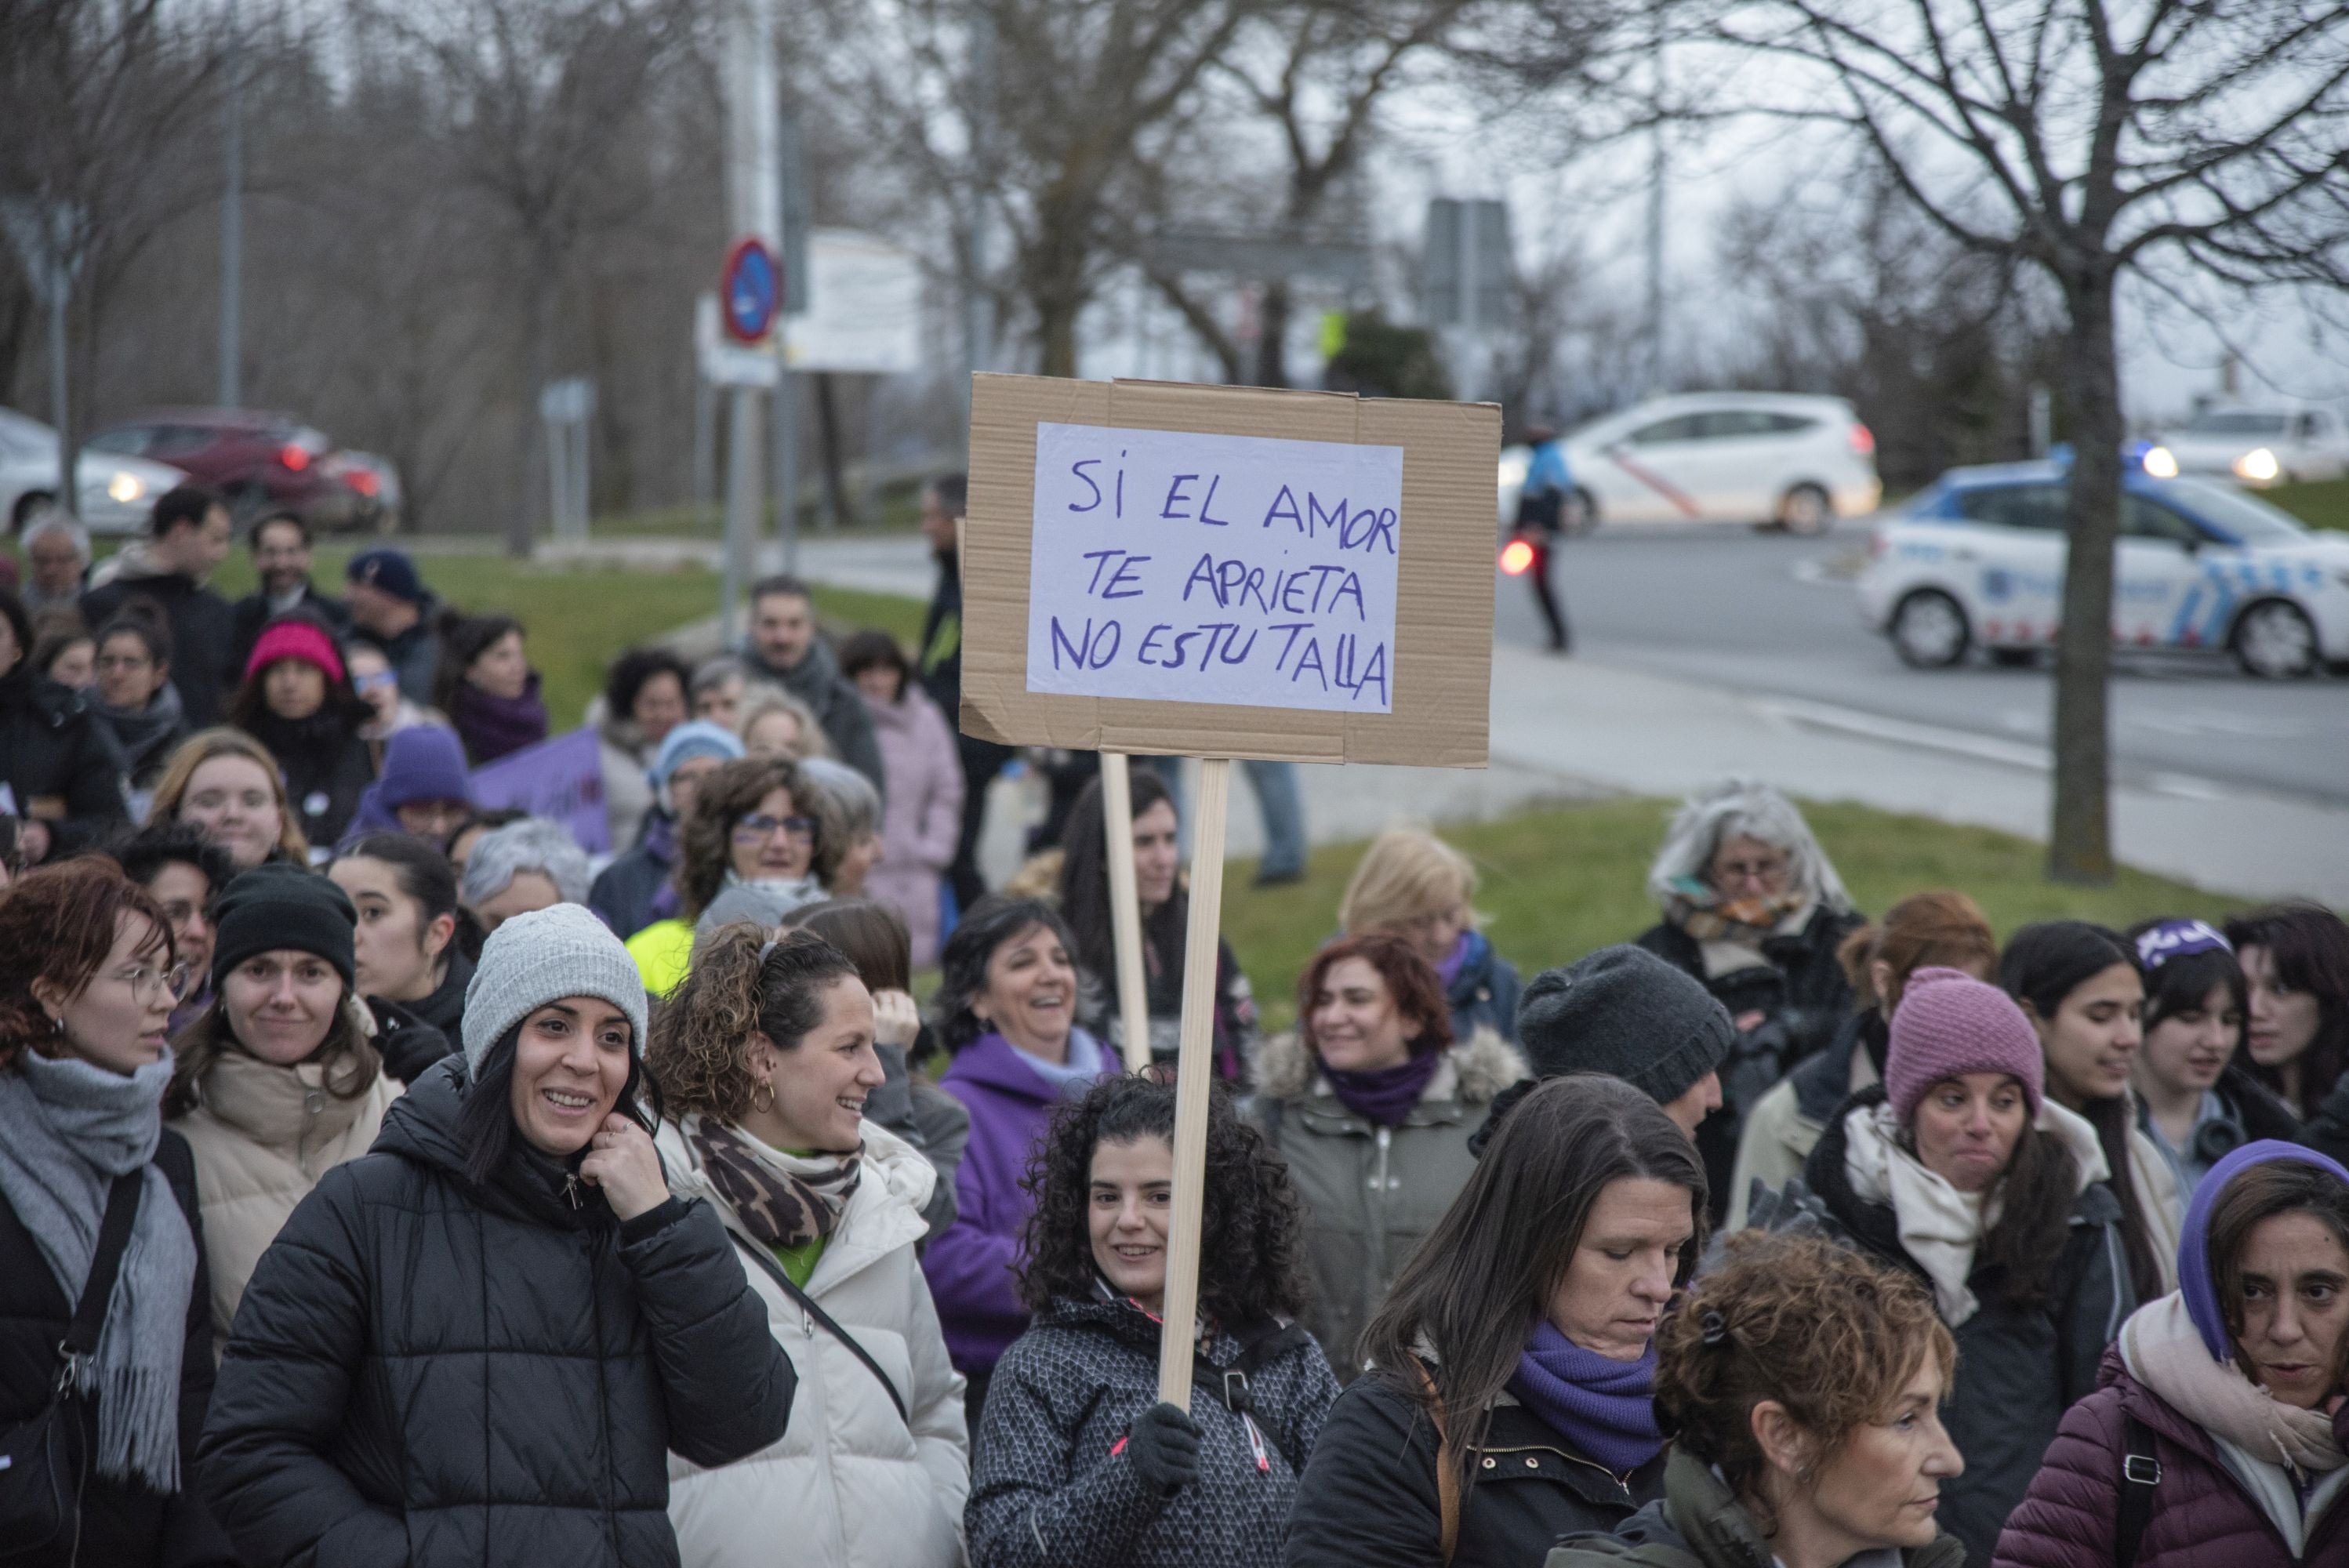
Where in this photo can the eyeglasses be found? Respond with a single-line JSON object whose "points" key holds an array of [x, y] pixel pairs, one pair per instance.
{"points": [[751, 830], [145, 980], [377, 681]]}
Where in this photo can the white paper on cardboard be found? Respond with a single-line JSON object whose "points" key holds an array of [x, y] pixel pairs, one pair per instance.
{"points": [[1179, 567]]}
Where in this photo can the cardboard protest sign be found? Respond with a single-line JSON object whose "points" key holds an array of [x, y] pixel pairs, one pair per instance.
{"points": [[562, 778], [1228, 572]]}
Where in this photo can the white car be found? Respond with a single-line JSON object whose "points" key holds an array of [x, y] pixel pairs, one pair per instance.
{"points": [[1977, 560], [118, 493], [1770, 457], [2257, 446]]}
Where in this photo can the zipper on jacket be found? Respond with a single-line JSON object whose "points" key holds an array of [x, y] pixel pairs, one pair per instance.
{"points": [[1622, 1483], [571, 1188], [1376, 1235]]}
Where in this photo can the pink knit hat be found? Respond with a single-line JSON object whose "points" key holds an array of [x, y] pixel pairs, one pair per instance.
{"points": [[1949, 1024]]}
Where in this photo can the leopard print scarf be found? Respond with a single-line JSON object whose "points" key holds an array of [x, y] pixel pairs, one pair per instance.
{"points": [[781, 1200]]}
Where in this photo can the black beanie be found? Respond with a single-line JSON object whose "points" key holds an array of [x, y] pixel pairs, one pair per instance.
{"points": [[272, 906], [1624, 1012]]}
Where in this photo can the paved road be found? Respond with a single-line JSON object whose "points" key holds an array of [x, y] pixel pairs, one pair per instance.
{"points": [[1769, 615]]}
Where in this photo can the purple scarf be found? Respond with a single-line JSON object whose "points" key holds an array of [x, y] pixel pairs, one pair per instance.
{"points": [[1384, 1096], [1449, 970], [1606, 1408], [495, 726]]}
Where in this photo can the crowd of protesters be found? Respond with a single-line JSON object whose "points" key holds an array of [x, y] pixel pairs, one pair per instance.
{"points": [[387, 1180]]}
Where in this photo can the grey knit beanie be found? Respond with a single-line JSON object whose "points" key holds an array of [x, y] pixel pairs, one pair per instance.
{"points": [[542, 957], [1624, 1012]]}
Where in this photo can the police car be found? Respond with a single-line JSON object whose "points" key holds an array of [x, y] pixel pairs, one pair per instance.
{"points": [[1977, 560]]}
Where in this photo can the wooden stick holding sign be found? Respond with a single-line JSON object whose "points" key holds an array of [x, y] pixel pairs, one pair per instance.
{"points": [[1125, 908], [1222, 572], [1194, 1071]]}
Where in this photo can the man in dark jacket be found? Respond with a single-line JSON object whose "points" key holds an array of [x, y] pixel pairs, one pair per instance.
{"points": [[940, 662], [281, 559], [188, 539], [59, 768], [391, 608], [784, 649]]}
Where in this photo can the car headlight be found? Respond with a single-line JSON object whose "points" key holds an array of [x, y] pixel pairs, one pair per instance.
{"points": [[1513, 470], [125, 488], [2161, 462], [2258, 464]]}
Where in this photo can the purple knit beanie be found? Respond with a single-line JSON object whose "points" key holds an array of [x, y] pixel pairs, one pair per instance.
{"points": [[1949, 1024]]}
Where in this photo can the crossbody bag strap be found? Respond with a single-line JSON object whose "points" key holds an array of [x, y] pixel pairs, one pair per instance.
{"points": [[1234, 1385], [1447, 1467], [766, 1260], [2140, 1473], [105, 1263]]}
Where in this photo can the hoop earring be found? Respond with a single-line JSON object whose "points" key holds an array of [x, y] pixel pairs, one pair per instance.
{"points": [[769, 1090]]}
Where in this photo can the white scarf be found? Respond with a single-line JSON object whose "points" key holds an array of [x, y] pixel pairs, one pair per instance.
{"points": [[1941, 1226], [2163, 1350]]}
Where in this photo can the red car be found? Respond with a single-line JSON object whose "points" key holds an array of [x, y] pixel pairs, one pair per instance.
{"points": [[261, 463]]}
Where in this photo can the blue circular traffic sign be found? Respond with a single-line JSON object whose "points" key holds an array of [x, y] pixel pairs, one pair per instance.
{"points": [[749, 290]]}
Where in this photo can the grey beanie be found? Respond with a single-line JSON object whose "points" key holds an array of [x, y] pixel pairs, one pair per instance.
{"points": [[543, 956], [760, 904], [1624, 1012]]}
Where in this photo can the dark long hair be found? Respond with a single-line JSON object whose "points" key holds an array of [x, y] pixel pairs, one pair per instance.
{"points": [[485, 1125], [2043, 964], [2309, 946], [986, 926], [426, 879], [870, 933], [1249, 1229], [1085, 895], [2034, 1219], [1488, 1269], [463, 639]]}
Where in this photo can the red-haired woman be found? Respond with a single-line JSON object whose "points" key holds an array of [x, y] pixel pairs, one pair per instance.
{"points": [[88, 978], [1371, 1100]]}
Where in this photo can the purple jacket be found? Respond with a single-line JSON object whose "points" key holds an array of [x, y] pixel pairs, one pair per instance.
{"points": [[2201, 1515], [972, 1267], [922, 817]]}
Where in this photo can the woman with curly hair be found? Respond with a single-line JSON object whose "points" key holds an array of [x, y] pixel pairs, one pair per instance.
{"points": [[1800, 1382], [1508, 1401], [754, 823], [1081, 1465], [765, 1053]]}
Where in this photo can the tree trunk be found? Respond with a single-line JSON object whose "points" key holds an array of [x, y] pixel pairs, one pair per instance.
{"points": [[1056, 334], [2079, 837], [827, 426], [1272, 334], [522, 523]]}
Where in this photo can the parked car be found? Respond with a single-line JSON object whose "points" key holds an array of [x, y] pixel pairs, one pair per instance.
{"points": [[261, 463], [1977, 560], [374, 480], [118, 492], [2256, 447], [1778, 459]]}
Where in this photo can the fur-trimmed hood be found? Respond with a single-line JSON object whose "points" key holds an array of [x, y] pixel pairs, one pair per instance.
{"points": [[1473, 1073]]}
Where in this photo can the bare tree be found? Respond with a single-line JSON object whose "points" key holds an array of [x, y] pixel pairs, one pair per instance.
{"points": [[2092, 141]]}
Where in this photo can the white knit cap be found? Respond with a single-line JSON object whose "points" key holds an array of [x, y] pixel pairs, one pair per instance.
{"points": [[543, 956]]}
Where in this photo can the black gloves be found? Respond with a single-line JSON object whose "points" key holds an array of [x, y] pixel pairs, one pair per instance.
{"points": [[1163, 1445]]}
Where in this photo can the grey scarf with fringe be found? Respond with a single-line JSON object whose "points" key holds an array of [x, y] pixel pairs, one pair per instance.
{"points": [[67, 1131]]}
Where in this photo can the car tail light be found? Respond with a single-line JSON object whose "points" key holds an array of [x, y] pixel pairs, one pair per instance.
{"points": [[363, 481], [294, 458], [1863, 439], [1515, 556]]}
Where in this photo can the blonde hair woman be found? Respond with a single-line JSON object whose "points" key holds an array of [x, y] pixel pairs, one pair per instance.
{"points": [[774, 723], [1413, 885], [227, 783]]}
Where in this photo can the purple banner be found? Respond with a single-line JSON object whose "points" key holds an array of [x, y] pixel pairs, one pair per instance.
{"points": [[562, 778]]}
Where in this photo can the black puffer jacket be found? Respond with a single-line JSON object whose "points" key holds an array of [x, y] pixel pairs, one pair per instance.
{"points": [[327, 767], [2019, 1368], [445, 1009], [52, 751], [1368, 1498], [1802, 995], [124, 1524], [424, 1371], [1052, 1486]]}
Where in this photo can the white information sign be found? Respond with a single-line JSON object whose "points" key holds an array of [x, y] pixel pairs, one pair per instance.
{"points": [[1214, 569]]}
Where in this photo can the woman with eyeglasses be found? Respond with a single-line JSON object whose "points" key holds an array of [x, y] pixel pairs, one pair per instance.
{"points": [[87, 976], [135, 700], [753, 823], [278, 1081]]}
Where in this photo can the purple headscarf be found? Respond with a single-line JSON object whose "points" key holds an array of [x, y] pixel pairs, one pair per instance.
{"points": [[2194, 1277]]}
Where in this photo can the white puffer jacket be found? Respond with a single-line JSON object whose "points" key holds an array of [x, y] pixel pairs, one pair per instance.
{"points": [[849, 1486]]}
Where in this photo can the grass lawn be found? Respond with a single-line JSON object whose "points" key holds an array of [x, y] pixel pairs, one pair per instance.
{"points": [[2321, 503], [1561, 881]]}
